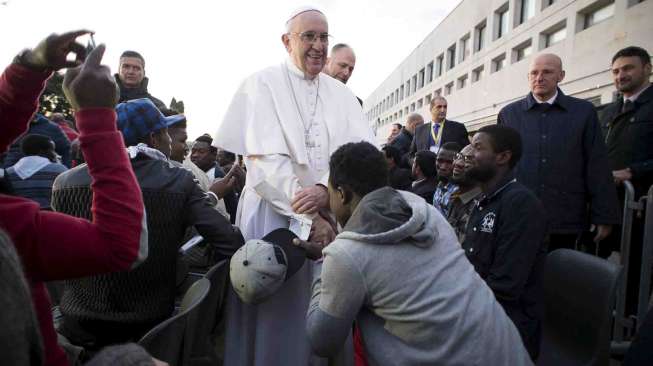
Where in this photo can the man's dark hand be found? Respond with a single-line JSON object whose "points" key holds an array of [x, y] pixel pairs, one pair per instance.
{"points": [[313, 250], [225, 185], [51, 53], [91, 85]]}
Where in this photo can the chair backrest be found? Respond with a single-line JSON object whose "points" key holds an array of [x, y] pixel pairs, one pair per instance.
{"points": [[579, 295], [211, 308], [172, 340]]}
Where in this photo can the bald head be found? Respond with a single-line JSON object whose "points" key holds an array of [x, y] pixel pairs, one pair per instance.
{"points": [[340, 65], [307, 41], [413, 121], [544, 75]]}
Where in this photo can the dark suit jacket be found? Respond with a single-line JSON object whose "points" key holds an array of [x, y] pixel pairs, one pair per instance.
{"points": [[629, 138], [453, 132], [426, 189]]}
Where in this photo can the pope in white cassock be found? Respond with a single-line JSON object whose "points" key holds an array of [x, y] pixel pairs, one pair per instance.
{"points": [[286, 120]]}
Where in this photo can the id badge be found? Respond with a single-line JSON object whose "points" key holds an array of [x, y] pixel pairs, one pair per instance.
{"points": [[300, 226], [435, 149]]}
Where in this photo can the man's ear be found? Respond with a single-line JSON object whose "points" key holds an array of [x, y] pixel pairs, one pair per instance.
{"points": [[345, 196], [285, 39], [152, 140], [503, 158]]}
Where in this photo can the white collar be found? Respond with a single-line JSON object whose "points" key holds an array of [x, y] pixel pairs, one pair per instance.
{"points": [[549, 101], [29, 165], [634, 97], [296, 71]]}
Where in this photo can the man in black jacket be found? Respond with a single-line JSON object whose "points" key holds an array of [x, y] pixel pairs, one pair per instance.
{"points": [[405, 137], [132, 80], [439, 130], [122, 307], [425, 175], [504, 239], [628, 130], [565, 162]]}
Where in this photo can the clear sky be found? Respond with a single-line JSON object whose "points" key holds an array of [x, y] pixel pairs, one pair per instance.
{"points": [[199, 51]]}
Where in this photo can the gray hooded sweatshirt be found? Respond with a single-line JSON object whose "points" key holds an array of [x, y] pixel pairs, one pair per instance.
{"points": [[399, 272]]}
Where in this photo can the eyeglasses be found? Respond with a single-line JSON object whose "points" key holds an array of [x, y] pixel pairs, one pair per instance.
{"points": [[310, 36], [465, 158]]}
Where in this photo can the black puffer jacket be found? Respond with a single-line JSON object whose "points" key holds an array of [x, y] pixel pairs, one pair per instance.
{"points": [[138, 93], [173, 202]]}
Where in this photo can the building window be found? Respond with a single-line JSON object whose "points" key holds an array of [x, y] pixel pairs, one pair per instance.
{"points": [[420, 78], [499, 62], [522, 51], [414, 84], [429, 72], [527, 10], [451, 57], [401, 112], [634, 2], [554, 35], [479, 36], [448, 88], [597, 15], [477, 73], [464, 48], [462, 81], [502, 22], [401, 92], [406, 111], [547, 3], [439, 65], [427, 99], [437, 93], [420, 103], [412, 107], [407, 87]]}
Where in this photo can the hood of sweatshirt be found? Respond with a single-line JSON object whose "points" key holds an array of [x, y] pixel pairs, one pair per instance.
{"points": [[387, 216]]}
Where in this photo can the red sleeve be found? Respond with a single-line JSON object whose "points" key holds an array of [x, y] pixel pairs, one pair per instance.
{"points": [[57, 246], [20, 88]]}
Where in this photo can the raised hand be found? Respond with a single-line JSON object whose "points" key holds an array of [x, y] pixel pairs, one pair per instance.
{"points": [[51, 53], [310, 200], [91, 85]]}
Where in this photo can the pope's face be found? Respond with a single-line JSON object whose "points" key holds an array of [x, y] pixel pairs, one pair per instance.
{"points": [[308, 56]]}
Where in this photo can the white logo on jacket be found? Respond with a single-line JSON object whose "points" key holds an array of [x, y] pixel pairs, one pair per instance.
{"points": [[487, 225]]}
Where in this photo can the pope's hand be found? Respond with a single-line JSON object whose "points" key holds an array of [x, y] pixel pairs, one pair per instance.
{"points": [[311, 199]]}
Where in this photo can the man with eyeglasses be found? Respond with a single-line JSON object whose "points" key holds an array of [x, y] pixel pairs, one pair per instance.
{"points": [[286, 121], [464, 198]]}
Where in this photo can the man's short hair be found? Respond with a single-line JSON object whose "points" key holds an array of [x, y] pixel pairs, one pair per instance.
{"points": [[435, 98], [229, 156], [35, 144], [398, 125], [425, 160], [339, 46], [206, 138], [451, 146], [359, 166], [135, 55], [504, 138], [392, 152], [633, 51]]}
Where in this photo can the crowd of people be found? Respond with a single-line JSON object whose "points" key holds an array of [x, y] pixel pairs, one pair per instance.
{"points": [[428, 249]]}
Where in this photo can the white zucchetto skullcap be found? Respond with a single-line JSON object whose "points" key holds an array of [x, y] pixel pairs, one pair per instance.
{"points": [[300, 10]]}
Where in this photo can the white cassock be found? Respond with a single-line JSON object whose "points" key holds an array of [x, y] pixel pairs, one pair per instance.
{"points": [[287, 127]]}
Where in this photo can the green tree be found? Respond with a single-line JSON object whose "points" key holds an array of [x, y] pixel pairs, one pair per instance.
{"points": [[53, 100]]}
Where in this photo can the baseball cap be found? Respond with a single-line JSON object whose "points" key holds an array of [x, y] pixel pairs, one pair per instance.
{"points": [[138, 118], [260, 267]]}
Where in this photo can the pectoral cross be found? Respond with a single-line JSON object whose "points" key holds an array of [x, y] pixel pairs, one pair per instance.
{"points": [[308, 140]]}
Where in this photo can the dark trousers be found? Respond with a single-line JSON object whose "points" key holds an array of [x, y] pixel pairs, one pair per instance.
{"points": [[94, 335]]}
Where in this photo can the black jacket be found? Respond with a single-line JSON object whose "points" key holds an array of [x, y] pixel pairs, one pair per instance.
{"points": [[402, 141], [505, 243], [399, 178], [453, 132], [425, 189], [138, 93], [629, 138], [173, 202], [564, 161]]}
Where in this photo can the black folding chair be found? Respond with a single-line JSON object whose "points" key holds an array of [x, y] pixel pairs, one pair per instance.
{"points": [[579, 297], [173, 339]]}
